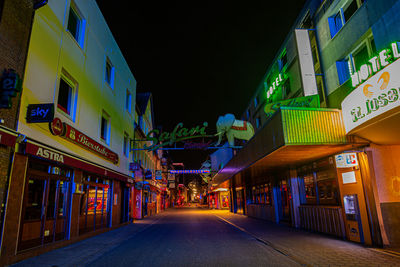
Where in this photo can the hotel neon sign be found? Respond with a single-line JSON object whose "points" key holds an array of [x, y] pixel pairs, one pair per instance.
{"points": [[275, 84], [378, 89], [375, 64]]}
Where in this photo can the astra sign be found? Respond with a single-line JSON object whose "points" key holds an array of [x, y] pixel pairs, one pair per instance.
{"points": [[376, 95]]}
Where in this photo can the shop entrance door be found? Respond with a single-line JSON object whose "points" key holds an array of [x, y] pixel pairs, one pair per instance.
{"points": [[284, 201], [45, 211], [125, 204], [239, 201]]}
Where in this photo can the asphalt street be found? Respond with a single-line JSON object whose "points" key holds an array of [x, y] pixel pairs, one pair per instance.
{"points": [[192, 237]]}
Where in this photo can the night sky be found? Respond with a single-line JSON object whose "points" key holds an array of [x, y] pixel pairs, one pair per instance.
{"points": [[200, 59]]}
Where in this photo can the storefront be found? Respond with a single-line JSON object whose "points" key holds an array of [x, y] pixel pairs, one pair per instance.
{"points": [[56, 196], [95, 203], [372, 112]]}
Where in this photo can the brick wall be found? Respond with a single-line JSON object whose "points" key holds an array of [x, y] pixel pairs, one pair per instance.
{"points": [[15, 26]]}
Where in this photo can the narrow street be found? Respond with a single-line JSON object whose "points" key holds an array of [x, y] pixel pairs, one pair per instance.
{"points": [[202, 237]]}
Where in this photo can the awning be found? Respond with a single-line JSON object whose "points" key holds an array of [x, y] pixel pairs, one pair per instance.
{"points": [[7, 137], [293, 136]]}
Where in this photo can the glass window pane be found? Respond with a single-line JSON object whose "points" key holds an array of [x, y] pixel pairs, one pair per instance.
{"points": [[73, 24], [99, 201], [51, 204], [64, 97], [33, 209], [91, 200]]}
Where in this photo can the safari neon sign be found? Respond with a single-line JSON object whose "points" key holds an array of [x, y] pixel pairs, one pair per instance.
{"points": [[179, 134], [375, 64]]}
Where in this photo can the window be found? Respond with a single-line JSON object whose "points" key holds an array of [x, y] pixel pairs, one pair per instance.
{"points": [[350, 10], [105, 127], [255, 102], [360, 57], [282, 61], [128, 101], [126, 144], [355, 59], [259, 194], [286, 88], [109, 74], [66, 96], [335, 23], [258, 122], [247, 114], [76, 24], [343, 70], [344, 14]]}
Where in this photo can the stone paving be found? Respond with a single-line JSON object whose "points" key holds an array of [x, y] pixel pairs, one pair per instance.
{"points": [[304, 248], [85, 251], [310, 249]]}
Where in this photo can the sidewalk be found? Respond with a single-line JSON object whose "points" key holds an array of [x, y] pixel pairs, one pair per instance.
{"points": [[311, 249], [86, 251]]}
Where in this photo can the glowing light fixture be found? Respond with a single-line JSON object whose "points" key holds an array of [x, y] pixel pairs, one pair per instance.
{"points": [[188, 171]]}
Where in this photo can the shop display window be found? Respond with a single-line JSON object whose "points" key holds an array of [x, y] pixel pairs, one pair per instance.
{"points": [[260, 194], [94, 209], [319, 187], [309, 189], [327, 187]]}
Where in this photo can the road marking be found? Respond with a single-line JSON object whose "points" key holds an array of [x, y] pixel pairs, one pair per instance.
{"points": [[386, 252], [267, 243]]}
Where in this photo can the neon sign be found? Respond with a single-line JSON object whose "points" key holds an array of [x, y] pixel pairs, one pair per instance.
{"points": [[178, 134], [379, 94], [275, 84], [375, 64]]}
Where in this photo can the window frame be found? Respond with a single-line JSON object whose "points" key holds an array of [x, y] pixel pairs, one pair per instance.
{"points": [[128, 101], [79, 35], [73, 85], [109, 81], [106, 139], [351, 66], [333, 27], [125, 147]]}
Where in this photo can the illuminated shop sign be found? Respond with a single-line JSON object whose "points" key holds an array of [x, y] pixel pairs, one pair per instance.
{"points": [[134, 166], [375, 64], [377, 95], [306, 101], [66, 131], [188, 171], [275, 84], [148, 174], [40, 113], [346, 160]]}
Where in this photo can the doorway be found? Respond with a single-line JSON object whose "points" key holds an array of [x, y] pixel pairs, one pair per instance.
{"points": [[284, 201], [45, 208]]}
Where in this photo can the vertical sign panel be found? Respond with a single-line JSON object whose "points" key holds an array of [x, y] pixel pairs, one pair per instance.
{"points": [[306, 62]]}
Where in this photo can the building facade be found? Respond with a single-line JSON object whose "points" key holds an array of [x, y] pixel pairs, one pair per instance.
{"points": [[70, 174], [325, 126], [149, 177]]}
